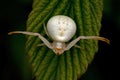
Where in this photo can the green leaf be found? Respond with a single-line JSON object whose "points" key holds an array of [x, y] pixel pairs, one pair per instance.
{"points": [[72, 63]]}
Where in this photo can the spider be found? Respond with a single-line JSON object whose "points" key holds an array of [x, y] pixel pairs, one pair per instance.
{"points": [[61, 29]]}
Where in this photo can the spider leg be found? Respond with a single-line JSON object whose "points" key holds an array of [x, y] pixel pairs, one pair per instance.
{"points": [[45, 29], [95, 38], [72, 43], [77, 46], [42, 44], [46, 42]]}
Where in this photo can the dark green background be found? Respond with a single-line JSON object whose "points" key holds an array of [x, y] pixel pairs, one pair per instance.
{"points": [[13, 64]]}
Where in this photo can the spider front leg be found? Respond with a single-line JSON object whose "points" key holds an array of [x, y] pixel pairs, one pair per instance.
{"points": [[46, 42], [72, 43]]}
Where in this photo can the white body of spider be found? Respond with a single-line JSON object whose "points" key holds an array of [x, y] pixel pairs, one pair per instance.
{"points": [[61, 29]]}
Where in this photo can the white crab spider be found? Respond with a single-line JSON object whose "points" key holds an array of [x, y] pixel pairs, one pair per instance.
{"points": [[61, 29]]}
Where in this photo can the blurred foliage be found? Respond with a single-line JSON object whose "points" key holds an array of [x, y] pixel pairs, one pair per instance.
{"points": [[13, 16]]}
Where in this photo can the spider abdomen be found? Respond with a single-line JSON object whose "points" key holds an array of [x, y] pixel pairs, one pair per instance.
{"points": [[61, 28]]}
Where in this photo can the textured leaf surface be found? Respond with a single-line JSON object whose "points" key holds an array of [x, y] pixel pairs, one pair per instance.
{"points": [[74, 62]]}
